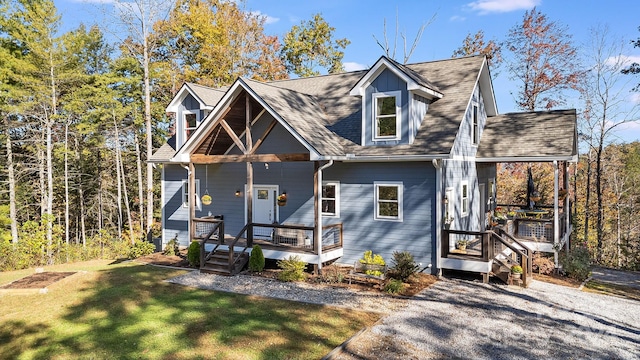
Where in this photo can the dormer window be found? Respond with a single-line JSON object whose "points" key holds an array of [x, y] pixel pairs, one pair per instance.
{"points": [[475, 128], [190, 123], [387, 113]]}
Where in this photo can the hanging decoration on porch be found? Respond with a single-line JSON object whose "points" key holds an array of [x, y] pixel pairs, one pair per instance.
{"points": [[282, 199], [206, 198]]}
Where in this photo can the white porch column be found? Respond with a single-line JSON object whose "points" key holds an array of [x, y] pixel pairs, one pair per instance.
{"points": [[192, 201], [556, 217], [437, 164], [317, 212], [567, 209]]}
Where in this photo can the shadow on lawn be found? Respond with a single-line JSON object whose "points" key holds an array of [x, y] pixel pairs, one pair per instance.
{"points": [[129, 312]]}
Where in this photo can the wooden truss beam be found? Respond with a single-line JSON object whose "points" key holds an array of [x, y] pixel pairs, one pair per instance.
{"points": [[216, 159]]}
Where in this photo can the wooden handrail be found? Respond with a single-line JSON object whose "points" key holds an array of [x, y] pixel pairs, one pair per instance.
{"points": [[219, 225], [524, 257], [233, 243]]}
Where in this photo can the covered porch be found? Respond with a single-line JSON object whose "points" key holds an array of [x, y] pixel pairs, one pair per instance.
{"points": [[244, 134]]}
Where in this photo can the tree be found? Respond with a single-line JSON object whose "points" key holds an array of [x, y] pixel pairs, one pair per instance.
{"points": [[137, 17], [606, 109], [476, 45], [634, 68], [390, 51], [213, 42], [310, 45], [544, 60]]}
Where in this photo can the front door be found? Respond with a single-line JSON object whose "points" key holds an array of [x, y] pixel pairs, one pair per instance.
{"points": [[265, 208]]}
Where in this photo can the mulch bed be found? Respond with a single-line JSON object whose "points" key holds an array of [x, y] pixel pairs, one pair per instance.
{"points": [[37, 281], [333, 275]]}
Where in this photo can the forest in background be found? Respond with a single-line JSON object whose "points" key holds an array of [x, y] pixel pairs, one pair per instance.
{"points": [[83, 110]]}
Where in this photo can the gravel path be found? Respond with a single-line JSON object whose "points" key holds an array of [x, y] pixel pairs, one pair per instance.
{"points": [[465, 319], [625, 278], [302, 292]]}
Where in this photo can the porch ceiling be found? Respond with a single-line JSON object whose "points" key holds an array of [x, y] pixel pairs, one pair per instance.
{"points": [[218, 141]]}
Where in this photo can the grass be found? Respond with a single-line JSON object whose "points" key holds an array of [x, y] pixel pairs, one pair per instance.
{"points": [[612, 289], [127, 311]]}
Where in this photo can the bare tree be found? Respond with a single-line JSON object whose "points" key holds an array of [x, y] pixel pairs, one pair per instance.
{"points": [[605, 92], [390, 50]]}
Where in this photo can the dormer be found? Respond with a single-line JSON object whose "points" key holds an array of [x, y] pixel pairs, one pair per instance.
{"points": [[394, 102], [189, 110]]}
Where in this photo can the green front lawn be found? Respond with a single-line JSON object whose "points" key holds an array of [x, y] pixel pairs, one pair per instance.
{"points": [[127, 311]]}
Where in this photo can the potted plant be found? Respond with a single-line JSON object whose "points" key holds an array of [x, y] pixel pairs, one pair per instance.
{"points": [[462, 244], [448, 220], [516, 271], [282, 199]]}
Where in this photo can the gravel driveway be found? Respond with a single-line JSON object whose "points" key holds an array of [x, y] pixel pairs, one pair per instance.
{"points": [[471, 320], [464, 319]]}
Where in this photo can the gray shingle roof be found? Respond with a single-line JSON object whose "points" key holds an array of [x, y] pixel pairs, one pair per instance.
{"points": [[321, 110], [531, 134], [165, 152]]}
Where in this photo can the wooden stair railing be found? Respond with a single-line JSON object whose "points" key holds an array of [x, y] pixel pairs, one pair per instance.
{"points": [[523, 255], [219, 227]]}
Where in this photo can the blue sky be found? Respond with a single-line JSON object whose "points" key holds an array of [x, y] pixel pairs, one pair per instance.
{"points": [[360, 20]]}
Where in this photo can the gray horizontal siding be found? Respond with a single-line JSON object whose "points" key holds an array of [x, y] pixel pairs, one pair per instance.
{"points": [[362, 232], [176, 217]]}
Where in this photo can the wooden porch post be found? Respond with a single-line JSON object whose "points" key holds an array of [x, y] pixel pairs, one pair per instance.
{"points": [[248, 148], [556, 219], [192, 201], [567, 210], [317, 213]]}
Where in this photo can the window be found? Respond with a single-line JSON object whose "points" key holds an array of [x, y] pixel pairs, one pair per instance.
{"points": [[464, 197], [388, 201], [185, 194], [492, 191], [475, 134], [190, 123], [331, 198], [386, 115]]}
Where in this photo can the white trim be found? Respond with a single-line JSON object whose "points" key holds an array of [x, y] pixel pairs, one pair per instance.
{"points": [[463, 158], [384, 63], [493, 193], [174, 105], [183, 154], [475, 124], [569, 158], [163, 209], [397, 94], [463, 184], [336, 214], [183, 121], [449, 208], [376, 201], [185, 182]]}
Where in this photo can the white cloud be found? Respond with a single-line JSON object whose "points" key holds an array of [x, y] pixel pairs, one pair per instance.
{"points": [[635, 98], [95, 1], [501, 6], [267, 19], [353, 66], [457, 18], [623, 60]]}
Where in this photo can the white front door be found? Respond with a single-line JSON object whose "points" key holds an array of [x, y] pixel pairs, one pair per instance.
{"points": [[265, 208]]}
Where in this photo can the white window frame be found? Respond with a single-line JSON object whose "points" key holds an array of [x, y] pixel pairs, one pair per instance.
{"points": [[336, 199], [185, 195], [449, 210], [376, 186], [184, 121], [475, 124], [374, 114], [492, 191], [464, 200]]}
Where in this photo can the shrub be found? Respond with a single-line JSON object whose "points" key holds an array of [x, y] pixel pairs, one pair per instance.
{"points": [[403, 266], [370, 259], [292, 269], [394, 286], [542, 264], [141, 248], [193, 254], [577, 263], [172, 247], [516, 269], [256, 260]]}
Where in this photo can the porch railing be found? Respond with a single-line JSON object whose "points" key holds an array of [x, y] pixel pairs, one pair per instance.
{"points": [[488, 245], [539, 230]]}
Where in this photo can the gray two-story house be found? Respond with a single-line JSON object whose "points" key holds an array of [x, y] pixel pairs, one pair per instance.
{"points": [[328, 167]]}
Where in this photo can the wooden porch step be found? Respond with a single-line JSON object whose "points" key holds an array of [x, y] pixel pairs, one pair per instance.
{"points": [[218, 263]]}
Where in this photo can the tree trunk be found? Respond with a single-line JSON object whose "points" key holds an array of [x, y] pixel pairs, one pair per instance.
{"points": [[599, 212], [83, 228], [147, 117], [587, 197], [12, 186], [66, 184], [119, 180], [140, 182]]}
